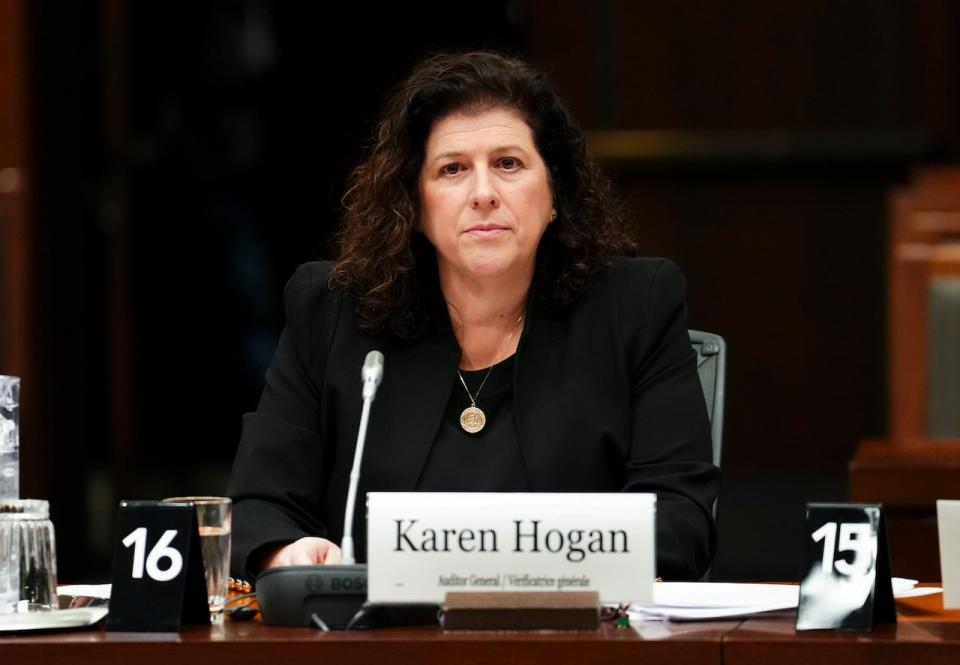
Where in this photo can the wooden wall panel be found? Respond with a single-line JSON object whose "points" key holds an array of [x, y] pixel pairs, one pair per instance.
{"points": [[14, 239], [141, 109], [17, 295]]}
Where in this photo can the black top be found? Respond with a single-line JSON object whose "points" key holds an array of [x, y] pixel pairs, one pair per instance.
{"points": [[491, 457], [606, 398]]}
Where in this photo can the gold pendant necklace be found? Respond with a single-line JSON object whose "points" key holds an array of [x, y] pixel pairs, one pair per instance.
{"points": [[472, 418]]}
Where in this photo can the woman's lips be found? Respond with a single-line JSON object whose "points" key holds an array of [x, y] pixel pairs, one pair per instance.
{"points": [[485, 230]]}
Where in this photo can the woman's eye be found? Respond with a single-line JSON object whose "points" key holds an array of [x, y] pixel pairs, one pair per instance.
{"points": [[450, 169], [509, 164]]}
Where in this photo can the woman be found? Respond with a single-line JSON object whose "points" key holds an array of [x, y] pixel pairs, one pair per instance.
{"points": [[479, 254]]}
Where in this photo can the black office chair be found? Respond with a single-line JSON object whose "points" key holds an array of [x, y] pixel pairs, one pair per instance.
{"points": [[711, 366]]}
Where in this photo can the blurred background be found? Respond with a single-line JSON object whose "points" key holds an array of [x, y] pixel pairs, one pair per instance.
{"points": [[164, 167]]}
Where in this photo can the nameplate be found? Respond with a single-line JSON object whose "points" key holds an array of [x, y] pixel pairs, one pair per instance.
{"points": [[422, 545], [948, 526]]}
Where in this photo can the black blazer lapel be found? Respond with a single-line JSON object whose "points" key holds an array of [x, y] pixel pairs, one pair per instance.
{"points": [[409, 408], [568, 403], [537, 376]]}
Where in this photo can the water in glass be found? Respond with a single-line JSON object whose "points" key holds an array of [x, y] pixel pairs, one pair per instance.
{"points": [[215, 545]]}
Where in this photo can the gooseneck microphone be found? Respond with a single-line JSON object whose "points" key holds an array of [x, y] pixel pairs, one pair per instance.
{"points": [[371, 374], [329, 596]]}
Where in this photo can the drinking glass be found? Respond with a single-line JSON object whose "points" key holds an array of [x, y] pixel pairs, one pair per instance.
{"points": [[213, 516], [28, 561], [9, 437]]}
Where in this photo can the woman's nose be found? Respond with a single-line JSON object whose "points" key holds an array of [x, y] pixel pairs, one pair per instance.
{"points": [[484, 194]]}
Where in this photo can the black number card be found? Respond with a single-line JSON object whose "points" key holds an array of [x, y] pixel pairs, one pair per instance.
{"points": [[158, 581], [846, 585]]}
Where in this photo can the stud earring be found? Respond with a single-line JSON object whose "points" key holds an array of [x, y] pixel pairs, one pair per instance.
{"points": [[553, 215]]}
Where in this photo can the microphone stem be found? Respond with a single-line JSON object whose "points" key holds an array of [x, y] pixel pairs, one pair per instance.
{"points": [[346, 545]]}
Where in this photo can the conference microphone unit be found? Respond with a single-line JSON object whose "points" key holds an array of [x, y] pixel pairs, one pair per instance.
{"points": [[328, 597]]}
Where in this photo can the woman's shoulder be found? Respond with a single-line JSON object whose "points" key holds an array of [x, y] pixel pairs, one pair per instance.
{"points": [[311, 276], [644, 275], [312, 308], [309, 292], [310, 282], [644, 291]]}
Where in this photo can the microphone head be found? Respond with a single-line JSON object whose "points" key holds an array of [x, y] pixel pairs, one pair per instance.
{"points": [[372, 367]]}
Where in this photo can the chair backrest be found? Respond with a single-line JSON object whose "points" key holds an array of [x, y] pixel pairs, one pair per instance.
{"points": [[712, 367]]}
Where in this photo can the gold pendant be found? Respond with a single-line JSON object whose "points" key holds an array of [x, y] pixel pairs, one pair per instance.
{"points": [[472, 419]]}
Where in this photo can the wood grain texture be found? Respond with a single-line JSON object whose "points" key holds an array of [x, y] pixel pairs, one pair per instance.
{"points": [[925, 634], [240, 643]]}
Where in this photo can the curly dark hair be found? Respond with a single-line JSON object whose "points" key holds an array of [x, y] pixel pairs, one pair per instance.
{"points": [[391, 269]]}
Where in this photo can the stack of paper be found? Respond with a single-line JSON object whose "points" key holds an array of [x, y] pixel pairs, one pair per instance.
{"points": [[98, 591], [700, 601]]}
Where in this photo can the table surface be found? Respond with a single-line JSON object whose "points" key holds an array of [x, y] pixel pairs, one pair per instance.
{"points": [[925, 633]]}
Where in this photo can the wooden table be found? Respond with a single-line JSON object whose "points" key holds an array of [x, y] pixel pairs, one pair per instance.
{"points": [[925, 634], [235, 643]]}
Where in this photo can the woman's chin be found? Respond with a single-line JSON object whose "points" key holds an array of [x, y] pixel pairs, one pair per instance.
{"points": [[487, 265], [490, 269]]}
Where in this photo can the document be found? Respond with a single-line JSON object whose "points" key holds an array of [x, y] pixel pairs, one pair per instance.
{"points": [[700, 601], [98, 591]]}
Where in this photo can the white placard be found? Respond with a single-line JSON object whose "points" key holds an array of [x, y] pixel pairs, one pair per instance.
{"points": [[948, 527], [420, 545]]}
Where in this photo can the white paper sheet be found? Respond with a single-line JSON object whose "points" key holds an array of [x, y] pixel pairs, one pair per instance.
{"points": [[51, 619], [701, 601], [86, 590]]}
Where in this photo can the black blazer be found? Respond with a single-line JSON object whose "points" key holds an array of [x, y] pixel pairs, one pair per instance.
{"points": [[606, 399]]}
